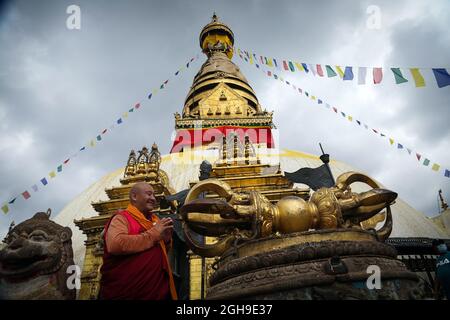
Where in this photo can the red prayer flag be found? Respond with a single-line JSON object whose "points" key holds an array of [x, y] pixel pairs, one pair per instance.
{"points": [[104, 131], [319, 70], [377, 75], [26, 195], [418, 156], [285, 66], [137, 105], [66, 161]]}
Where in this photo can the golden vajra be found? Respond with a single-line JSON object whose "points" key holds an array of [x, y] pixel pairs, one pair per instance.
{"points": [[234, 217]]}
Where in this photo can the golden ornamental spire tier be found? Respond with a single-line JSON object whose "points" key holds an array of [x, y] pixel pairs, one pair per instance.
{"points": [[217, 36], [220, 96]]}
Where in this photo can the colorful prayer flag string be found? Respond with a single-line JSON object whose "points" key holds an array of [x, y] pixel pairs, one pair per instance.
{"points": [[92, 143], [441, 75], [435, 167]]}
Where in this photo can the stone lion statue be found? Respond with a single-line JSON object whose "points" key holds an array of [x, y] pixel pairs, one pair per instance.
{"points": [[35, 262]]}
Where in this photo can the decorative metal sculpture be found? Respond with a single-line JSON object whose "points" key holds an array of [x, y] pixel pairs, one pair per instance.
{"points": [[244, 216]]}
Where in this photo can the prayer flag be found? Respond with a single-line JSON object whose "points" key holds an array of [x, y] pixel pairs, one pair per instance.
{"points": [[104, 131], [340, 72], [400, 146], [131, 110], [44, 181], [26, 195], [119, 121], [359, 122], [435, 167], [409, 150], [5, 209], [330, 71], [92, 143], [442, 77], [362, 71], [150, 96], [176, 73], [418, 79], [305, 67], [311, 67], [350, 118], [348, 75], [82, 149], [275, 62], [377, 75], [447, 173], [125, 115], [418, 156], [319, 70], [65, 161], [291, 66], [137, 106], [12, 201], [52, 174], [59, 169], [99, 138], [399, 78], [426, 162], [335, 110], [285, 66], [35, 188], [391, 141]]}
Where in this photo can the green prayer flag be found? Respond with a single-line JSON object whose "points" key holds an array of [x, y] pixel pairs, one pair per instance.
{"points": [[330, 72], [399, 78], [426, 162]]}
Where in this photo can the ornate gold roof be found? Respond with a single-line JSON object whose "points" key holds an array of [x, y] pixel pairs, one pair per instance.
{"points": [[216, 41]]}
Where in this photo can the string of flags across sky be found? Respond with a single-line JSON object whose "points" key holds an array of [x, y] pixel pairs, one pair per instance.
{"points": [[26, 194], [364, 75], [252, 59]]}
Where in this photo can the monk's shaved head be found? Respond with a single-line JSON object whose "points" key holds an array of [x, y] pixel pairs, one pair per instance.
{"points": [[142, 197]]}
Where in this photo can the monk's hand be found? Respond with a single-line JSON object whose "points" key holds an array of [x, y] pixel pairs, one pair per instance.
{"points": [[164, 227]]}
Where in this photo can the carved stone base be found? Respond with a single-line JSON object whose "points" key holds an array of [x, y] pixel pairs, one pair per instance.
{"points": [[316, 270]]}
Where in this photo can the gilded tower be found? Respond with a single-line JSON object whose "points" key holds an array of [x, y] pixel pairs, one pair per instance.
{"points": [[220, 97]]}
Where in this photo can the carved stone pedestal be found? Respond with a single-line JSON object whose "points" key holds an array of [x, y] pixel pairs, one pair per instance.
{"points": [[325, 264]]}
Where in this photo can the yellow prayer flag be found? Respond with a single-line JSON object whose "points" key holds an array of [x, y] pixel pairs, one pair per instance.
{"points": [[391, 140], [92, 143], [251, 58], [281, 78], [52, 174], [350, 118], [299, 66], [270, 62], [418, 79], [339, 70], [435, 167], [313, 97], [125, 115]]}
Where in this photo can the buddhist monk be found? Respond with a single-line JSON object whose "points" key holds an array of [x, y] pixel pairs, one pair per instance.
{"points": [[135, 262]]}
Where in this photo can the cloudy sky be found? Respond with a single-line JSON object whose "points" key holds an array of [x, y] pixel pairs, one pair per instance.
{"points": [[59, 88]]}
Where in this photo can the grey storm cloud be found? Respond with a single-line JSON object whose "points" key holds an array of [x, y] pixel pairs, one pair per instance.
{"points": [[60, 88]]}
